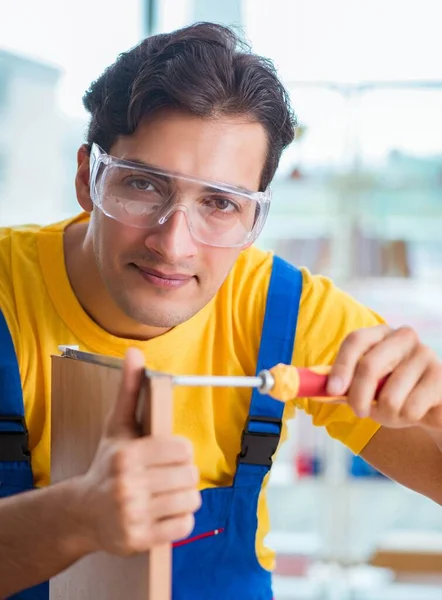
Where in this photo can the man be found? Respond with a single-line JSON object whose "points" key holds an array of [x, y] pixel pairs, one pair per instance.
{"points": [[185, 135]]}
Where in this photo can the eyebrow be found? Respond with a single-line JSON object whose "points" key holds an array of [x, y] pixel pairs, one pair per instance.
{"points": [[229, 186]]}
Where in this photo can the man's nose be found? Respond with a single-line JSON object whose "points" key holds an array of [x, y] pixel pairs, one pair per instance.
{"points": [[172, 239]]}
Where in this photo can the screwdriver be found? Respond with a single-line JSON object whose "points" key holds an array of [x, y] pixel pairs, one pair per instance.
{"points": [[282, 382]]}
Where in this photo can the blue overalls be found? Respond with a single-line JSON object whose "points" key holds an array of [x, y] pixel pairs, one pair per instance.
{"points": [[218, 561]]}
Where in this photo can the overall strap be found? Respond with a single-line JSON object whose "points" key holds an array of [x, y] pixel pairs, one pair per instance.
{"points": [[15, 461], [13, 432], [263, 427]]}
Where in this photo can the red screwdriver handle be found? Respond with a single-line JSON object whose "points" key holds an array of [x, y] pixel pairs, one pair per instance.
{"points": [[313, 382]]}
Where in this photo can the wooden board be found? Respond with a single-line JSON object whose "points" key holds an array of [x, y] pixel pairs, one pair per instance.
{"points": [[82, 394]]}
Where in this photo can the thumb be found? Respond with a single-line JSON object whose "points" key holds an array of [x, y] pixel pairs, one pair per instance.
{"points": [[121, 421]]}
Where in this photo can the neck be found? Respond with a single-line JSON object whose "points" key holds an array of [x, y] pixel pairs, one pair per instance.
{"points": [[91, 292]]}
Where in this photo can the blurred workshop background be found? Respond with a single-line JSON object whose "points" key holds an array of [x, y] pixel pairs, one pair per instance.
{"points": [[358, 196]]}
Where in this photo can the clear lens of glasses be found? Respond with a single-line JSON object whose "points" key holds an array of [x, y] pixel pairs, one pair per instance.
{"points": [[145, 197]]}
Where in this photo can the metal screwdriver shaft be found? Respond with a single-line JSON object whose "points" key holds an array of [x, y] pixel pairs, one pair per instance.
{"points": [[264, 381]]}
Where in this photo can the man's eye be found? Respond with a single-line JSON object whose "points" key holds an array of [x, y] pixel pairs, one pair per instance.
{"points": [[141, 184], [222, 204]]}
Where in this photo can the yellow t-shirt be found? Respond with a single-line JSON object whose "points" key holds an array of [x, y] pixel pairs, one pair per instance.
{"points": [[42, 312]]}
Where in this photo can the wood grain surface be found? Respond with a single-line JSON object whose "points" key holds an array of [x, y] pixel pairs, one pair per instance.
{"points": [[82, 394]]}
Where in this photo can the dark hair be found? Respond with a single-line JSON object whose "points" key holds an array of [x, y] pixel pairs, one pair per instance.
{"points": [[204, 69]]}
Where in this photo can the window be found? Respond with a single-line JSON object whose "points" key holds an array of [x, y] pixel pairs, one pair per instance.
{"points": [[4, 84]]}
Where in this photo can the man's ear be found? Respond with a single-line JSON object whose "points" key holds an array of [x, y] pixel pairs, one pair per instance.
{"points": [[82, 179]]}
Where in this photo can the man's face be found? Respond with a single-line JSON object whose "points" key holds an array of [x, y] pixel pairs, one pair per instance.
{"points": [[162, 276]]}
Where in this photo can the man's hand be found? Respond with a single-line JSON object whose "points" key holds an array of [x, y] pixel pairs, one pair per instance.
{"points": [[412, 394], [139, 491]]}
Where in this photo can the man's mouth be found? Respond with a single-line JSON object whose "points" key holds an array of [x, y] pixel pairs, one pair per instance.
{"points": [[164, 279]]}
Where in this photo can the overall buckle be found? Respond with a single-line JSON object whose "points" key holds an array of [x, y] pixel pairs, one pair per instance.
{"points": [[258, 447], [14, 445]]}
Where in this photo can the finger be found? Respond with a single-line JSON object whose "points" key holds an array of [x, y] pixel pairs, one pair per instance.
{"points": [[379, 361], [352, 349], [174, 504], [147, 452], [160, 451], [406, 395], [176, 528], [147, 534], [139, 502], [170, 479], [425, 396], [121, 421]]}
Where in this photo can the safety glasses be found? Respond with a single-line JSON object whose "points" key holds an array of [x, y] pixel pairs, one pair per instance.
{"points": [[141, 196]]}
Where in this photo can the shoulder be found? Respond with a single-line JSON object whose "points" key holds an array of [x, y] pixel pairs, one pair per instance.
{"points": [[20, 272], [17, 250], [327, 315], [15, 243], [18, 245]]}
